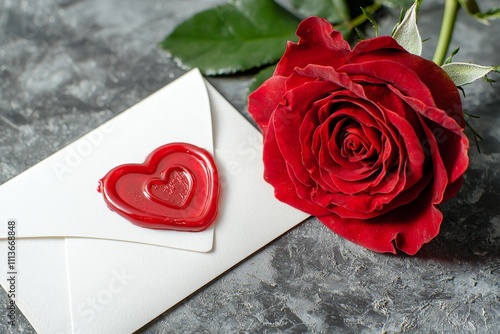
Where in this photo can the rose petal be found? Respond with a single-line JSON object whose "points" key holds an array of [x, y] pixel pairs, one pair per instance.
{"points": [[453, 143], [453, 189], [408, 227], [275, 173], [287, 122], [402, 199], [328, 73], [400, 76], [453, 148], [263, 101], [375, 45], [411, 142], [439, 170], [318, 43], [442, 88]]}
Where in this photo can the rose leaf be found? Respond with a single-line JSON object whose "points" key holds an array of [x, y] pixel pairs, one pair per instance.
{"points": [[465, 73], [335, 11], [232, 37], [407, 34], [260, 77]]}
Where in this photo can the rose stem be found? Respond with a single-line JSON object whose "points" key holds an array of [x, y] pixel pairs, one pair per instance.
{"points": [[360, 19], [451, 8]]}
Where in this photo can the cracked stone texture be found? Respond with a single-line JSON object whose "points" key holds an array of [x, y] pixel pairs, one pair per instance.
{"points": [[67, 66]]}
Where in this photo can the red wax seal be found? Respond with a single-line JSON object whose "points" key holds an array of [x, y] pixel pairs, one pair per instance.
{"points": [[176, 188]]}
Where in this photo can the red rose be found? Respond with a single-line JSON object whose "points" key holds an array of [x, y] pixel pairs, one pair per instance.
{"points": [[369, 140]]}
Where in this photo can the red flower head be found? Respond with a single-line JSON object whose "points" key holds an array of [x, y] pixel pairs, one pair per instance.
{"points": [[369, 140]]}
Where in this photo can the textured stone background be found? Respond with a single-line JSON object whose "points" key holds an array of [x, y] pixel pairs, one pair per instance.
{"points": [[67, 66]]}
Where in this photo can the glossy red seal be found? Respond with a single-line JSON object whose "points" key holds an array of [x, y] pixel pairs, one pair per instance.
{"points": [[176, 188]]}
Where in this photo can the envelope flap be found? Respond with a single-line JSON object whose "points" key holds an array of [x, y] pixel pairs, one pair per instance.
{"points": [[58, 196]]}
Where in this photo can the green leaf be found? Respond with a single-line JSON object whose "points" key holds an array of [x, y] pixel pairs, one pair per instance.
{"points": [[232, 37], [335, 11], [473, 9], [407, 34], [450, 58], [260, 77], [465, 73]]}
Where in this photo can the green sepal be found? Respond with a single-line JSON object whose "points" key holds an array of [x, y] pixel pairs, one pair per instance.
{"points": [[450, 58], [370, 18], [407, 34], [465, 73]]}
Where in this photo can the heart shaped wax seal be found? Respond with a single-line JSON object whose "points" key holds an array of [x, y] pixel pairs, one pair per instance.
{"points": [[176, 188]]}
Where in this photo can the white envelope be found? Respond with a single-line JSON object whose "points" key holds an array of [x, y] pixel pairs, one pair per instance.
{"points": [[80, 268]]}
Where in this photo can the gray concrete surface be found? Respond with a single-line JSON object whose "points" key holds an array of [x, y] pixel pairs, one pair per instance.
{"points": [[67, 66]]}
